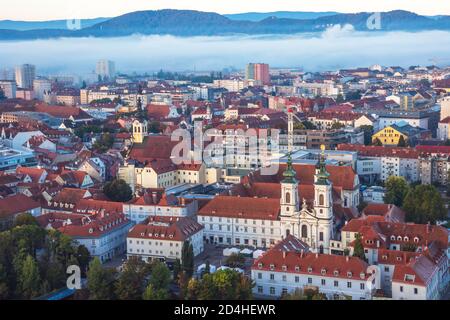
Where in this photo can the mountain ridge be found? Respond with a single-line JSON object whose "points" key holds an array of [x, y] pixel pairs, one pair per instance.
{"points": [[198, 23]]}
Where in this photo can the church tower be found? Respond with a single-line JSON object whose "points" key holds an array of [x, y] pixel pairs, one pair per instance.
{"points": [[289, 202], [140, 130], [323, 204]]}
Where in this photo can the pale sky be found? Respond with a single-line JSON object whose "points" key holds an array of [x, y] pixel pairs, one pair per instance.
{"points": [[62, 9]]}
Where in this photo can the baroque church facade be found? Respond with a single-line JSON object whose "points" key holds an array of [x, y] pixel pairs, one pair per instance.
{"points": [[262, 221]]}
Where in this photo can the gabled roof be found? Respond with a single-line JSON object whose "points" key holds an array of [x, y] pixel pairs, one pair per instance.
{"points": [[166, 228], [242, 208], [19, 203]]}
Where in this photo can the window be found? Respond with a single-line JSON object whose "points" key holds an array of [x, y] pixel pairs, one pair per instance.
{"points": [[361, 286], [401, 288], [259, 275], [288, 197], [416, 291], [323, 282], [297, 279], [272, 276], [386, 269], [272, 290], [349, 284], [260, 289], [309, 280], [336, 283], [321, 200], [284, 278], [304, 231], [320, 236]]}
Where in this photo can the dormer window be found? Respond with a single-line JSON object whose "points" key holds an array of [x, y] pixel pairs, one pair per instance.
{"points": [[284, 268], [323, 271], [309, 269], [399, 238], [399, 258], [392, 238], [260, 265], [349, 274], [416, 239], [272, 267], [91, 230], [406, 239], [336, 273], [297, 268], [362, 275]]}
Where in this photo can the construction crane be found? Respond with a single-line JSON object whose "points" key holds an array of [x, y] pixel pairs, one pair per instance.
{"points": [[291, 116]]}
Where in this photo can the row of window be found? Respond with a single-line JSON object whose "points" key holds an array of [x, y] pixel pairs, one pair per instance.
{"points": [[323, 282]]}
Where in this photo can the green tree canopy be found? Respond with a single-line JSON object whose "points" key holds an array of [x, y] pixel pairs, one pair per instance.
{"points": [[396, 190], [100, 281], [424, 204], [358, 249], [118, 190], [130, 285]]}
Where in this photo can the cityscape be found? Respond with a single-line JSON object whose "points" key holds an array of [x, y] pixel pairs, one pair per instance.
{"points": [[260, 181]]}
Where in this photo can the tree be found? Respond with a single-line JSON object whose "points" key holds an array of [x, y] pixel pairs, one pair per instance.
{"points": [[448, 183], [187, 258], [221, 285], [297, 294], [377, 142], [424, 204], [401, 142], [100, 281], [25, 219], [176, 268], [337, 125], [155, 294], [118, 190], [235, 260], [160, 277], [130, 285], [358, 249], [29, 279], [340, 98], [368, 133], [83, 256], [396, 190], [103, 144], [309, 125]]}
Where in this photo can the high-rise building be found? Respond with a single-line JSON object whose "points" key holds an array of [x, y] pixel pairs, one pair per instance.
{"points": [[7, 74], [105, 69], [8, 87], [25, 74], [258, 72], [40, 87], [445, 107]]}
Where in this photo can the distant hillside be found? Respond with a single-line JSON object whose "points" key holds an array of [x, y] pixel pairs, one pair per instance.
{"points": [[258, 16], [54, 24], [196, 23]]}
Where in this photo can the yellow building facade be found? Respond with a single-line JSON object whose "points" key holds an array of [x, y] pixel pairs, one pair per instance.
{"points": [[389, 136]]}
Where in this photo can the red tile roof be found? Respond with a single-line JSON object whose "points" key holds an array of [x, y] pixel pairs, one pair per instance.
{"points": [[335, 266], [380, 151], [166, 228], [16, 204], [243, 208]]}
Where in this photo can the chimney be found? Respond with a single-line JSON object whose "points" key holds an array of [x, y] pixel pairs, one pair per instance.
{"points": [[154, 198], [317, 255], [378, 243], [284, 254], [183, 201], [347, 258]]}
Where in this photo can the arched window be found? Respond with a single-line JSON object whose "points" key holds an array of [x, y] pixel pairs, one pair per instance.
{"points": [[304, 231], [321, 200], [288, 197]]}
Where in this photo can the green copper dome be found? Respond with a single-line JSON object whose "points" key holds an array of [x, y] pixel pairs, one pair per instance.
{"points": [[289, 174]]}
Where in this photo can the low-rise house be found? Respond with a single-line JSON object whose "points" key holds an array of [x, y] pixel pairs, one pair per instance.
{"points": [[282, 270], [15, 205], [103, 234], [163, 238]]}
